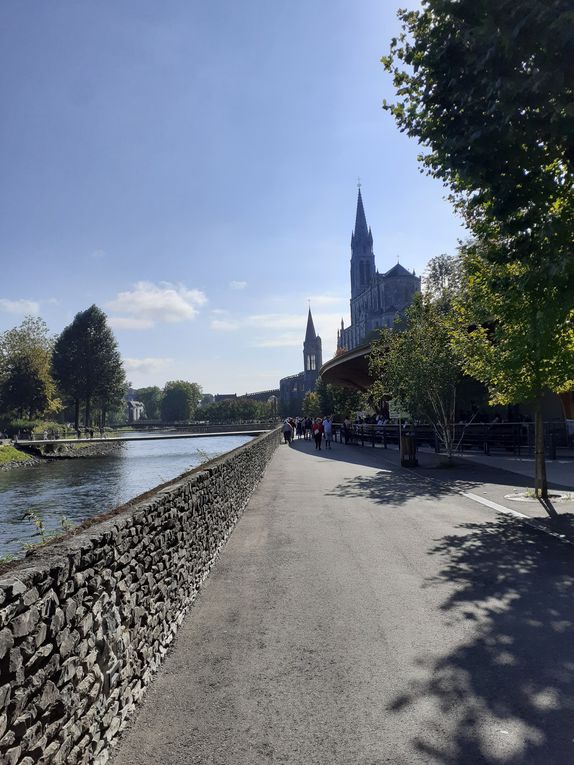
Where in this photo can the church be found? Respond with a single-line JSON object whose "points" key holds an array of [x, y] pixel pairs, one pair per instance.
{"points": [[376, 299], [292, 389]]}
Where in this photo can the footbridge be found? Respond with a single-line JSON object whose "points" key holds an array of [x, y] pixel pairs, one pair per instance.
{"points": [[155, 437]]}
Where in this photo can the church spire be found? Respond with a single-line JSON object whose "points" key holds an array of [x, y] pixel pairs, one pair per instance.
{"points": [[361, 229], [310, 334]]}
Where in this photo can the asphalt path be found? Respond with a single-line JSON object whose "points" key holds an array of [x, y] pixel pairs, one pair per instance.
{"points": [[361, 615]]}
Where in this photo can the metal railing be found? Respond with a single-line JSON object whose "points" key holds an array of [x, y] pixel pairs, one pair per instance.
{"points": [[505, 437]]}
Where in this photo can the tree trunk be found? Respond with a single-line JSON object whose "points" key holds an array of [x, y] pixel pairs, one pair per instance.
{"points": [[88, 413], [77, 414], [540, 482]]}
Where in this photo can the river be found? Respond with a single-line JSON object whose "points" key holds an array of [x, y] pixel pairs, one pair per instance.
{"points": [[76, 489]]}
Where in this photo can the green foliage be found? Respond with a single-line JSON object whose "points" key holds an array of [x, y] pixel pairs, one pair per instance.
{"points": [[419, 367], [338, 401], [236, 409], [87, 363], [311, 405], [521, 342], [26, 383], [488, 90], [151, 399], [443, 280], [180, 400]]}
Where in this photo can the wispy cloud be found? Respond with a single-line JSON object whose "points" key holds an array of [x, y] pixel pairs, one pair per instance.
{"points": [[145, 365], [237, 285], [147, 304], [19, 307], [98, 254], [129, 322], [280, 330]]}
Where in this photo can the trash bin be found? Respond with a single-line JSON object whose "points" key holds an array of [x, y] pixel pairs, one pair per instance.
{"points": [[408, 449]]}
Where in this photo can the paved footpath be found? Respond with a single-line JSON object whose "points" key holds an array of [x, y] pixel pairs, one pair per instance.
{"points": [[362, 615]]}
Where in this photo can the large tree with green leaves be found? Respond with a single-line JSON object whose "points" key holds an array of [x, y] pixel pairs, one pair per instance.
{"points": [[179, 401], [151, 399], [487, 89], [338, 401], [87, 364], [419, 368], [26, 383]]}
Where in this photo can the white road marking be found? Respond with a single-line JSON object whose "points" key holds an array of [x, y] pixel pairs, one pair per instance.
{"points": [[525, 518]]}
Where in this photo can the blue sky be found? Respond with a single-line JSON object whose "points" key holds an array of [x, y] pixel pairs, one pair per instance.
{"points": [[192, 167]]}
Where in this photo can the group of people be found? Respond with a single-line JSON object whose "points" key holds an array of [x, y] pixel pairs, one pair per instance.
{"points": [[307, 428]]}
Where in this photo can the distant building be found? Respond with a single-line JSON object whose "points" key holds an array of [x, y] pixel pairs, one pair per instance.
{"points": [[135, 410], [292, 389], [224, 396], [376, 299], [263, 395]]}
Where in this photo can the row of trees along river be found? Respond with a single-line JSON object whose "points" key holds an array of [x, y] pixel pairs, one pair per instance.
{"points": [[79, 377]]}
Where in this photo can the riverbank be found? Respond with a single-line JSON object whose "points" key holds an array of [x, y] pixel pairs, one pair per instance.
{"points": [[12, 457]]}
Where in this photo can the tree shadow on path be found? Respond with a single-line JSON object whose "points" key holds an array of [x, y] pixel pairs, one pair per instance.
{"points": [[506, 694]]}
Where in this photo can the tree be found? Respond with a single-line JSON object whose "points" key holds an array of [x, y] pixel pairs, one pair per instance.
{"points": [[487, 89], [180, 400], [87, 364], [151, 399], [419, 368], [26, 383], [514, 341], [337, 400], [443, 279], [236, 409], [311, 405]]}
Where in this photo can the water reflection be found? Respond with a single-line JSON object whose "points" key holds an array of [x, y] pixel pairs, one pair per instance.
{"points": [[81, 488]]}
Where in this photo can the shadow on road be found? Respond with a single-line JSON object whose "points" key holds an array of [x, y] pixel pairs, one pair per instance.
{"points": [[396, 485], [506, 695]]}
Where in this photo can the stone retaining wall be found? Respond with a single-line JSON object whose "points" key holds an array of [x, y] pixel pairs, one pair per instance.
{"points": [[86, 621]]}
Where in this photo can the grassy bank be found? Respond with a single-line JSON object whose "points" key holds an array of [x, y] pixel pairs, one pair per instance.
{"points": [[10, 454]]}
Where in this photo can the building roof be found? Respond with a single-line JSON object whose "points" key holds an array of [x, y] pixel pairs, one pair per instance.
{"points": [[398, 270]]}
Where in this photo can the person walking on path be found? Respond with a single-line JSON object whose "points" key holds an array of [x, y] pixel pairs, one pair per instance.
{"points": [[318, 432], [287, 431], [328, 430]]}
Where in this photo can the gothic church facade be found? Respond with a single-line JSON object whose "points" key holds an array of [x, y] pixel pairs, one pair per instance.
{"points": [[376, 299]]}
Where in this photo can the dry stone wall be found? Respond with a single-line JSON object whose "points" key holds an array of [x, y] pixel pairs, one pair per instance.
{"points": [[85, 623]]}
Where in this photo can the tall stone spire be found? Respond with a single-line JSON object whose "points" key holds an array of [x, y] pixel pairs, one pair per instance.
{"points": [[362, 256], [361, 229], [310, 334], [312, 354]]}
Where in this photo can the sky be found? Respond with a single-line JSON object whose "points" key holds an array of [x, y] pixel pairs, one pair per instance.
{"points": [[192, 167]]}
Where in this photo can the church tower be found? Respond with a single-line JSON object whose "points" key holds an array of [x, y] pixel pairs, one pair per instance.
{"points": [[362, 256], [312, 355]]}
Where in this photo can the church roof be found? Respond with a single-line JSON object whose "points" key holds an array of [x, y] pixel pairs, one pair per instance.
{"points": [[310, 334], [397, 270]]}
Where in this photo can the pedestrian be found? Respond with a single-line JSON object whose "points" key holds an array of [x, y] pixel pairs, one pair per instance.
{"points": [[328, 431], [307, 427], [347, 429], [287, 432], [299, 427], [318, 432]]}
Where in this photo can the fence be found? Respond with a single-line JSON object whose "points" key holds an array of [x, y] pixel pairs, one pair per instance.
{"points": [[505, 437]]}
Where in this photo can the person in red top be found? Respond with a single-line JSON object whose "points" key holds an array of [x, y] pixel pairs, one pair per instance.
{"points": [[318, 432]]}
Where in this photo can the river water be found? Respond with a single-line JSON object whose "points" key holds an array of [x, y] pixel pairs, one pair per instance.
{"points": [[77, 489]]}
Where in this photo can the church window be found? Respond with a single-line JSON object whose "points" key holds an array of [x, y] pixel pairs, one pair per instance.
{"points": [[313, 363]]}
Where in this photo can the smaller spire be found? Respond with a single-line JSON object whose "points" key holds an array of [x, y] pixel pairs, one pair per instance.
{"points": [[310, 334]]}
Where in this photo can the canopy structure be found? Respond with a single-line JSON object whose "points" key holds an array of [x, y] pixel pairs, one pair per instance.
{"points": [[350, 369]]}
